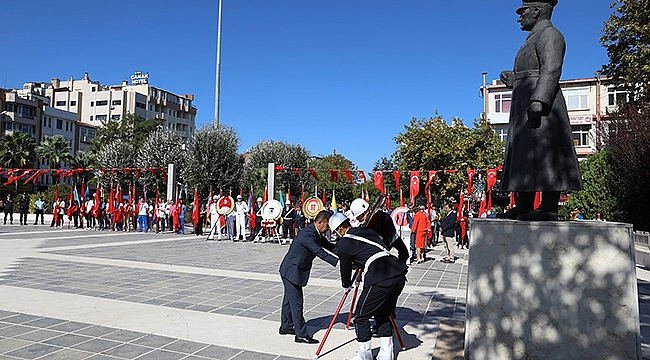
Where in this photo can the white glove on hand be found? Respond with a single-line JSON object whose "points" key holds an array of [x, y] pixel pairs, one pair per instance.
{"points": [[348, 289]]}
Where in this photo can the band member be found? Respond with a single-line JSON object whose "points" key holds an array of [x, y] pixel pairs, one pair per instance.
{"points": [[385, 227], [257, 210], [288, 215], [294, 271], [241, 209], [384, 277]]}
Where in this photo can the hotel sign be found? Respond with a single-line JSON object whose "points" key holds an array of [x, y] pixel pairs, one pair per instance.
{"points": [[580, 120], [138, 78]]}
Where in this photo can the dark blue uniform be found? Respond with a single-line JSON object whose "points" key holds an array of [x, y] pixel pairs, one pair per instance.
{"points": [[295, 269]]}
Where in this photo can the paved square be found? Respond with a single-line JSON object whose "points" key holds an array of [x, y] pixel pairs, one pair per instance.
{"points": [[74, 294]]}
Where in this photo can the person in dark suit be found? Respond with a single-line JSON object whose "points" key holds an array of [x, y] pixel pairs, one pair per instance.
{"points": [[384, 276], [448, 230], [288, 216], [294, 271]]}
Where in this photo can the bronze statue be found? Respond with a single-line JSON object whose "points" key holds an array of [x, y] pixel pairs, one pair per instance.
{"points": [[539, 152]]}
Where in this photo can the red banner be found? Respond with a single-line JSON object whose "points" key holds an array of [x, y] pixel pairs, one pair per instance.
{"points": [[415, 185], [379, 181]]}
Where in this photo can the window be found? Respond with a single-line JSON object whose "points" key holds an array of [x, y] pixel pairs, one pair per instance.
{"points": [[116, 102], [10, 107], [502, 133], [502, 103], [73, 103], [49, 122], [102, 103], [60, 103], [115, 117], [577, 98], [616, 96], [580, 135], [59, 124], [91, 118], [44, 122], [100, 117], [140, 105], [92, 103], [94, 89]]}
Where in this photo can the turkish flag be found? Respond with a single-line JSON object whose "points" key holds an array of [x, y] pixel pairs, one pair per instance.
{"points": [[491, 178], [415, 185], [362, 174], [470, 176], [196, 212], [396, 174], [334, 175], [432, 175], [379, 181]]}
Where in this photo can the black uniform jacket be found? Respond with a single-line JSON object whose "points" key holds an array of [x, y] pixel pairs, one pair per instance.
{"points": [[308, 244], [357, 252], [386, 230]]}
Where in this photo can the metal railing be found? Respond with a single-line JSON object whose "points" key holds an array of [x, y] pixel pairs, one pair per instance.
{"points": [[642, 238]]}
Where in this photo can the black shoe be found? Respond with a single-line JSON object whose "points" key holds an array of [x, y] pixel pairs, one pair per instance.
{"points": [[305, 340], [284, 331], [539, 215]]}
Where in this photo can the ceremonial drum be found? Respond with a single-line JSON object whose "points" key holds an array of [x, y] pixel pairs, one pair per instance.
{"points": [[225, 205], [312, 207]]}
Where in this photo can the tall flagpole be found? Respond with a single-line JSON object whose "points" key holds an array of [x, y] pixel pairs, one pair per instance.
{"points": [[218, 75]]}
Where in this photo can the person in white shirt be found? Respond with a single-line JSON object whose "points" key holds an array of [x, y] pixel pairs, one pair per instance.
{"points": [[241, 209], [142, 210]]}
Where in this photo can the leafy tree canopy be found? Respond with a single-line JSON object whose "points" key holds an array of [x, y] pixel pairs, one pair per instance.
{"points": [[213, 162], [280, 153], [161, 148], [626, 37], [132, 129], [55, 149], [345, 191], [17, 149], [435, 145]]}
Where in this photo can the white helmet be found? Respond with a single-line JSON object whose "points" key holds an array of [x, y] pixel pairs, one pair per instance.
{"points": [[259, 199], [336, 220], [358, 207]]}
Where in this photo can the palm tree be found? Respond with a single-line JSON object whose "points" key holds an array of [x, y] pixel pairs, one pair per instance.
{"points": [[84, 160], [55, 149], [17, 149]]}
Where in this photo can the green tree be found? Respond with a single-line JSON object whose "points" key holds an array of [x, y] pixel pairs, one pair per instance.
{"points": [[84, 160], [345, 191], [117, 154], [161, 148], [600, 193], [626, 36], [17, 150], [55, 149], [213, 162], [434, 145], [289, 156], [132, 129]]}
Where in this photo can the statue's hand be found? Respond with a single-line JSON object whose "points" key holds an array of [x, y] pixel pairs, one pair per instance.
{"points": [[508, 77], [535, 115]]}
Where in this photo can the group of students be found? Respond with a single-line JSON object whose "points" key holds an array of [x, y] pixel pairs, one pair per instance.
{"points": [[124, 215]]}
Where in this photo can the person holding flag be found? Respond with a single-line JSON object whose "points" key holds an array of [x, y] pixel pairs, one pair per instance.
{"points": [[288, 217]]}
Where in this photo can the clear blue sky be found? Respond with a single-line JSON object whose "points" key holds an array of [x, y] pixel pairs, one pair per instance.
{"points": [[330, 74]]}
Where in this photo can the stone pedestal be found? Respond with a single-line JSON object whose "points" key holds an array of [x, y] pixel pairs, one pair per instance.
{"points": [[551, 290]]}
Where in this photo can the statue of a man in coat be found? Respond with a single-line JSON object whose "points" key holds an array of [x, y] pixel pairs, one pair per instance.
{"points": [[539, 151]]}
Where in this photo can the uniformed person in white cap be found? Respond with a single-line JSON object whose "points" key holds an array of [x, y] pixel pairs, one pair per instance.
{"points": [[383, 277]]}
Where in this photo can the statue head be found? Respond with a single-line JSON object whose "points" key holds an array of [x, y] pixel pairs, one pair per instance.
{"points": [[531, 12]]}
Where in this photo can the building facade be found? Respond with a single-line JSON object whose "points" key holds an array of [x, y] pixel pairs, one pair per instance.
{"points": [[588, 102]]}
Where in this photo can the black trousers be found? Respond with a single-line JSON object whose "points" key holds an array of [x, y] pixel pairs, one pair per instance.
{"points": [[378, 300], [38, 212], [292, 306]]}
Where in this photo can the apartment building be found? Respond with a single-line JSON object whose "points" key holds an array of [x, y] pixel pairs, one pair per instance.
{"points": [[96, 103], [588, 101]]}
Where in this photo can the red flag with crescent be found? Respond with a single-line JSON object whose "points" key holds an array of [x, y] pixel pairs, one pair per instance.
{"points": [[470, 176], [432, 175], [491, 178], [396, 174], [379, 181], [415, 185]]}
